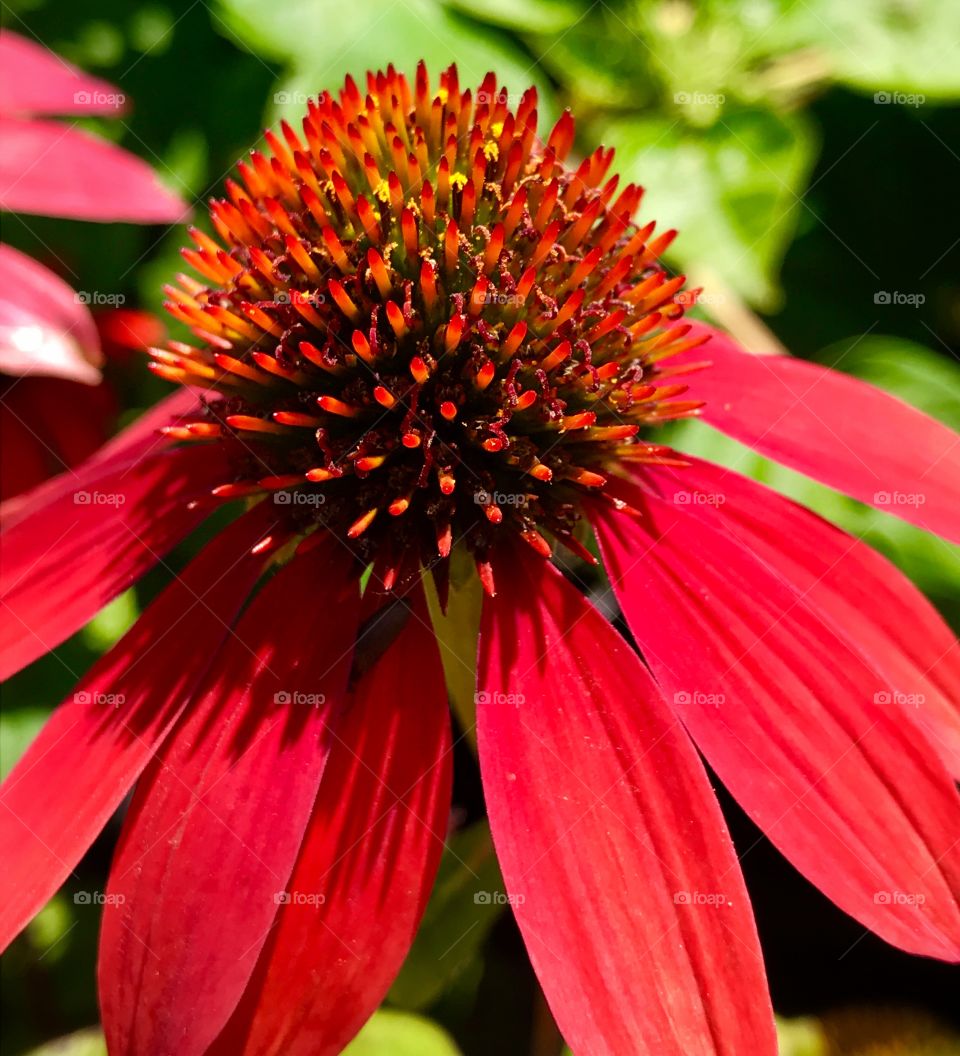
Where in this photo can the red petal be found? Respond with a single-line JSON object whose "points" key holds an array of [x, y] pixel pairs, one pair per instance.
{"points": [[836, 429], [72, 421], [219, 816], [84, 760], [142, 437], [126, 330], [614, 852], [136, 441], [56, 170], [37, 81], [24, 459], [787, 714], [368, 863], [98, 531], [867, 600], [45, 328]]}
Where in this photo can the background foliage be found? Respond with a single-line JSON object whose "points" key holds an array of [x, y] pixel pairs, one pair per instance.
{"points": [[809, 152]]}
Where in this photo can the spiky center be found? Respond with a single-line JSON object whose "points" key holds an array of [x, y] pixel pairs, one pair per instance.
{"points": [[424, 328]]}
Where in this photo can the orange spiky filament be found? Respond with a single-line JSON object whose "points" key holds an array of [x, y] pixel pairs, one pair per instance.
{"points": [[424, 327]]}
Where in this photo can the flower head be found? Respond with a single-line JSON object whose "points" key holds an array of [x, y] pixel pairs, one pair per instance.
{"points": [[418, 318], [428, 324]]}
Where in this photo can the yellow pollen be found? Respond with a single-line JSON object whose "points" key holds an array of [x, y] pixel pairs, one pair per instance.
{"points": [[382, 192], [491, 151], [458, 180], [496, 128]]}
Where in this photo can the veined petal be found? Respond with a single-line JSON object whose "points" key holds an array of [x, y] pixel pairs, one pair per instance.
{"points": [[91, 539], [38, 81], [74, 418], [367, 863], [219, 816], [44, 327], [614, 852], [837, 429], [787, 713], [106, 732], [868, 601], [24, 458], [138, 440], [56, 170]]}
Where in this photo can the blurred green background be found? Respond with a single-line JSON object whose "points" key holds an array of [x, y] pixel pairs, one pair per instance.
{"points": [[809, 153]]}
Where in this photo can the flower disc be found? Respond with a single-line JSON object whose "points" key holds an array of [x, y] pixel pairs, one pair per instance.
{"points": [[424, 327]]}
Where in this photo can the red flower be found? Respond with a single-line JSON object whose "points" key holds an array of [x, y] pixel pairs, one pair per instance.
{"points": [[55, 408], [421, 330], [54, 411], [55, 169]]}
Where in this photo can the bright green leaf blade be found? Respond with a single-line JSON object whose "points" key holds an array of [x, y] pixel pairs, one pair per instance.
{"points": [[392, 1033], [302, 33], [83, 1043], [801, 1037], [732, 190], [890, 47], [543, 16], [111, 622], [18, 727]]}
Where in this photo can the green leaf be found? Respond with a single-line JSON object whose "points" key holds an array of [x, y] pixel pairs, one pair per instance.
{"points": [[392, 1033], [801, 1037], [18, 727], [467, 899], [731, 189], [543, 16], [322, 45], [892, 46], [457, 631], [599, 60], [111, 622], [83, 1043]]}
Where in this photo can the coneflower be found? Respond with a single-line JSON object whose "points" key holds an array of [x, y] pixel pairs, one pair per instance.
{"points": [[419, 330]]}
